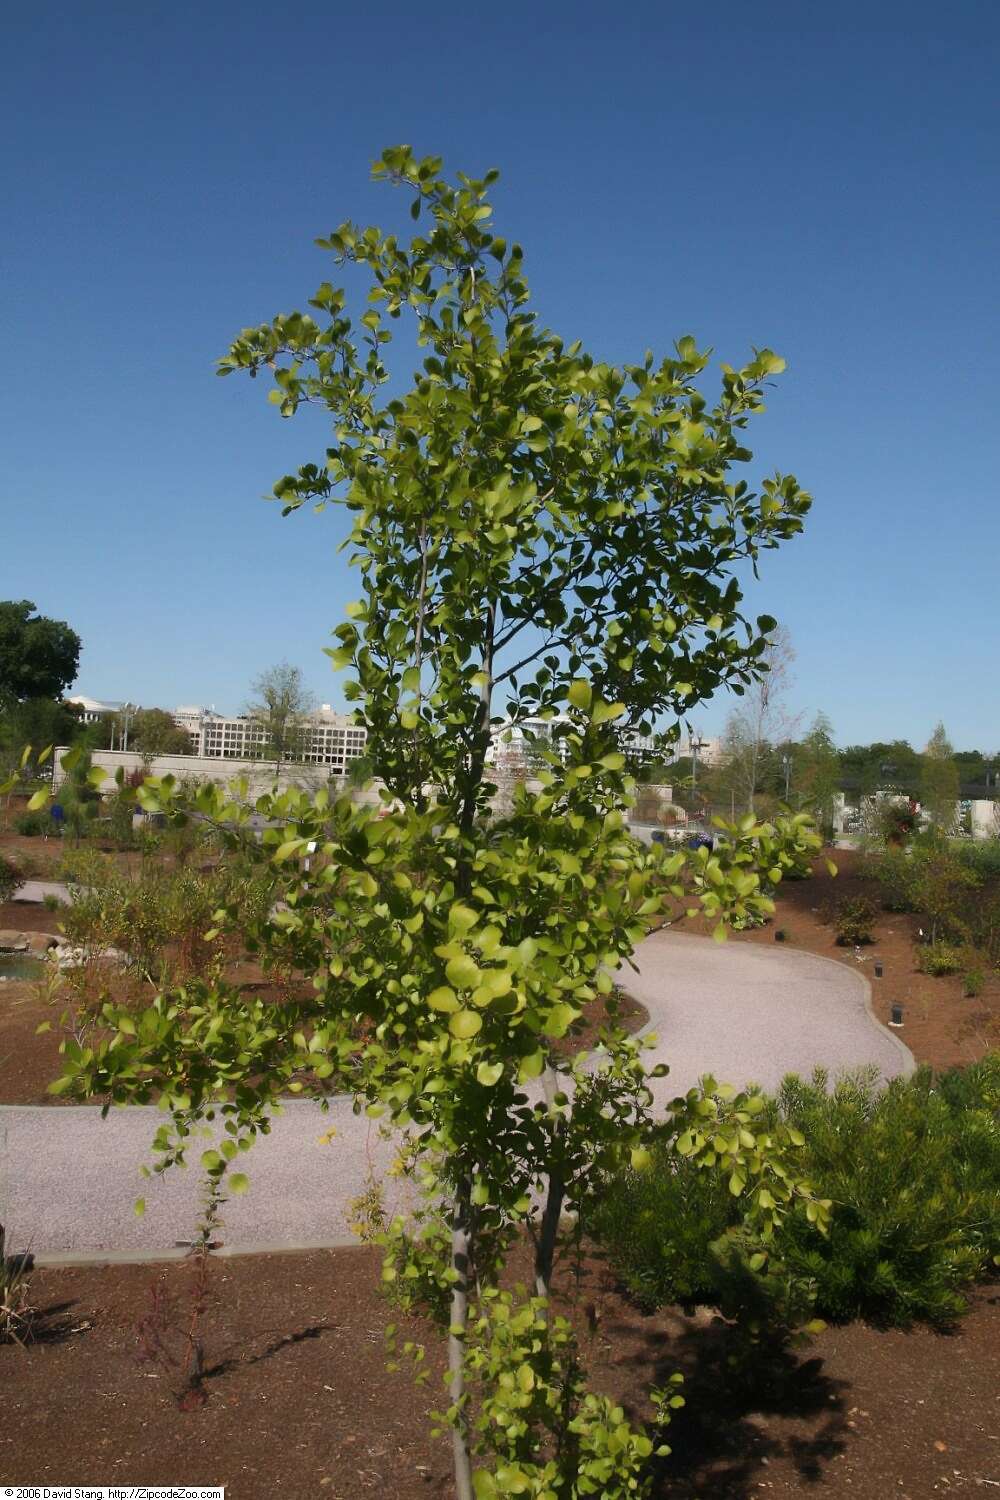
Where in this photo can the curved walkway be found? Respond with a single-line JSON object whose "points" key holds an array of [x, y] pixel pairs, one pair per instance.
{"points": [[68, 1179]]}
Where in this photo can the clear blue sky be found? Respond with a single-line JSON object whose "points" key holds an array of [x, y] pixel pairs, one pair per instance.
{"points": [[820, 179]]}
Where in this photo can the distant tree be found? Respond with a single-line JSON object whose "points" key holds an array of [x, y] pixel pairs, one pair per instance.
{"points": [[760, 723], [38, 656], [939, 781], [884, 765], [38, 722], [280, 704], [152, 732], [817, 770]]}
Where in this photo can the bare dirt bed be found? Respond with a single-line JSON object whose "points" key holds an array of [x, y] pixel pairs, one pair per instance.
{"points": [[299, 1402]]}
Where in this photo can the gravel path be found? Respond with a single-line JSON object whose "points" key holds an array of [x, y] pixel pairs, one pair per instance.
{"points": [[68, 1179]]}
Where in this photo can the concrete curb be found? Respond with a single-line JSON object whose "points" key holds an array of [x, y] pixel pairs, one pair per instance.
{"points": [[65, 1258]]}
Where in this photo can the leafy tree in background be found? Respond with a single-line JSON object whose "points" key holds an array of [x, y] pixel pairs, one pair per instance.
{"points": [[817, 770], [153, 732], [939, 781], [280, 703], [38, 656], [536, 532], [887, 766], [38, 722]]}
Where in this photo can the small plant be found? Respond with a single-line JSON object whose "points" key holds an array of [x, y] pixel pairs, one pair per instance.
{"points": [[939, 958], [855, 922], [16, 1312], [51, 902], [973, 983], [171, 1334]]}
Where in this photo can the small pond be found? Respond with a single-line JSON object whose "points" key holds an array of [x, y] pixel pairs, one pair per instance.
{"points": [[20, 966]]}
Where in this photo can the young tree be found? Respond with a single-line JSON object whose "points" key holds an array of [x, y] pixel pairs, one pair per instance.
{"points": [[38, 656], [761, 722], [939, 781], [536, 533], [280, 704], [818, 771]]}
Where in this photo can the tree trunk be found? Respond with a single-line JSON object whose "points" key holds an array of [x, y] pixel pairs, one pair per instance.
{"points": [[460, 1235], [545, 1249]]}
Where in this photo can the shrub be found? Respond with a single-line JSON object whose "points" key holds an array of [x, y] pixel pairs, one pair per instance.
{"points": [[939, 958], [893, 869], [895, 822], [914, 1173], [982, 858], [973, 983], [30, 824], [11, 878], [855, 922]]}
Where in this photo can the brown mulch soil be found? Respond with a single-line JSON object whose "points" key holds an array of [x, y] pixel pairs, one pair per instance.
{"points": [[299, 1401], [941, 1026]]}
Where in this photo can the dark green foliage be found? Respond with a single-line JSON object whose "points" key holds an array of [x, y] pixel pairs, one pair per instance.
{"points": [[973, 983], [10, 878], [914, 1174], [38, 656], [982, 858], [855, 922], [31, 824]]}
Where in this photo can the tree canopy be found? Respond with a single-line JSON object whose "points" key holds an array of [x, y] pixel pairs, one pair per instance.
{"points": [[38, 656], [536, 532]]}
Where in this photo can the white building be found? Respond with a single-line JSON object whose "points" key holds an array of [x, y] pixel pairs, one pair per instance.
{"points": [[511, 745], [328, 739], [93, 709]]}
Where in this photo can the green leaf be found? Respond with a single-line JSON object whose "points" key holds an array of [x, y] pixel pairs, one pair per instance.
{"points": [[237, 1183], [641, 1159], [602, 712], [580, 693], [462, 971], [139, 1207], [39, 800], [462, 918], [211, 1161], [443, 999], [488, 1074], [464, 1024]]}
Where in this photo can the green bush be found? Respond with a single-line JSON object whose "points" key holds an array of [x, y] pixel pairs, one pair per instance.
{"points": [[973, 983], [914, 1174], [11, 878], [159, 917], [893, 869], [982, 858], [30, 824], [855, 921], [939, 958]]}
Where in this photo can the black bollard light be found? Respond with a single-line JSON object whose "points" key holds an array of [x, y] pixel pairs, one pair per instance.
{"points": [[897, 1016], [878, 970]]}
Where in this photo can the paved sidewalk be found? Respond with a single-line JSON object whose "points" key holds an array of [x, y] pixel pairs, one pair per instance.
{"points": [[68, 1179], [35, 892]]}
